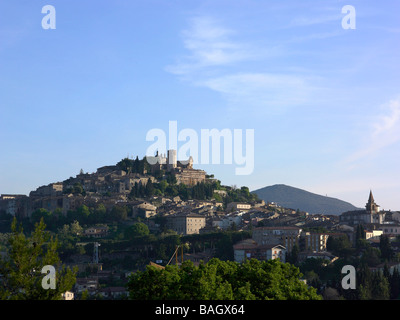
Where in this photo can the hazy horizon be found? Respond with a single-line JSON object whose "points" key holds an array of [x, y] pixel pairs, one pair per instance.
{"points": [[323, 100]]}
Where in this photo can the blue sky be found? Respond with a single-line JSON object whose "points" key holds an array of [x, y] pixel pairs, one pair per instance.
{"points": [[324, 102]]}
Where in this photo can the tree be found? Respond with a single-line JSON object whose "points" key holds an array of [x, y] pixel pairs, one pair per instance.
{"points": [[394, 281], [137, 230], [38, 214], [364, 282], [221, 280], [360, 237], [149, 188], [293, 256], [380, 287], [386, 249], [371, 256], [21, 270], [339, 246], [118, 213]]}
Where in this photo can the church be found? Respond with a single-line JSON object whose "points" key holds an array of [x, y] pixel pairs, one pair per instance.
{"points": [[371, 214]]}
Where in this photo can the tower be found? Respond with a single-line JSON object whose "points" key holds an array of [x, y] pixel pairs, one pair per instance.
{"points": [[371, 206], [190, 165], [171, 160], [96, 252]]}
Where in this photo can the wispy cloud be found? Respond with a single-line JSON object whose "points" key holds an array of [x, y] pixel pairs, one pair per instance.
{"points": [[385, 131], [261, 89], [313, 20], [218, 62], [209, 45]]}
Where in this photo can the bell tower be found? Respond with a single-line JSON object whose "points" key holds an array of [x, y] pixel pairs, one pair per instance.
{"points": [[371, 206]]}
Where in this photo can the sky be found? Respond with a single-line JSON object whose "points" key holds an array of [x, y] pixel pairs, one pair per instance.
{"points": [[317, 85]]}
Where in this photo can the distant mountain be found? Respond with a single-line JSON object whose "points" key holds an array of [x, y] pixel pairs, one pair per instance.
{"points": [[294, 198]]}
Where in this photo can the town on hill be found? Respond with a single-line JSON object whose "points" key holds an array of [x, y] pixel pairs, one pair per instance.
{"points": [[113, 223]]}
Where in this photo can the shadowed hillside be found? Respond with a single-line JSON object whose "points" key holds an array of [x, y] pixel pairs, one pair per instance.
{"points": [[294, 198]]}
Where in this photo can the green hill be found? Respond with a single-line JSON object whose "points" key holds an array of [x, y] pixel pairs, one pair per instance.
{"points": [[294, 198]]}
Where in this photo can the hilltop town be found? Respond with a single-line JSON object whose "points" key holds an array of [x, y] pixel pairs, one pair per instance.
{"points": [[123, 217]]}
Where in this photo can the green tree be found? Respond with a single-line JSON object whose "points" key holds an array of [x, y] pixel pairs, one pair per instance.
{"points": [[293, 256], [364, 282], [394, 281], [221, 280], [137, 230], [40, 213], [386, 248], [21, 270], [149, 188], [339, 246], [118, 213], [380, 287]]}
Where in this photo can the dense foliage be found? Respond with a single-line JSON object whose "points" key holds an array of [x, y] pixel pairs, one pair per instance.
{"points": [[21, 270], [222, 280]]}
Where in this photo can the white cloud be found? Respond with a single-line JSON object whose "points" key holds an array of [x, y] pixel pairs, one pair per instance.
{"points": [[261, 89], [387, 123], [209, 45], [217, 62], [317, 19], [385, 131]]}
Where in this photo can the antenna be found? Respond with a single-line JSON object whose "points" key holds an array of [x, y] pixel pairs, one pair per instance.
{"points": [[96, 253]]}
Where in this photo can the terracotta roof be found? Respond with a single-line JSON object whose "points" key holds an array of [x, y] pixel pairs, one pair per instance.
{"points": [[156, 265]]}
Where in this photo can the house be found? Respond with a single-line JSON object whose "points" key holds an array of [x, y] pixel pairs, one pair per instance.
{"points": [[390, 229], [284, 235], [68, 295], [14, 204], [390, 265], [186, 223], [372, 234], [145, 210], [89, 284], [96, 232], [317, 255], [238, 206], [227, 221], [113, 292], [248, 249], [315, 242]]}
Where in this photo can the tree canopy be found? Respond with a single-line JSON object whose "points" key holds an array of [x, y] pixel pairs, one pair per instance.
{"points": [[21, 269], [221, 280]]}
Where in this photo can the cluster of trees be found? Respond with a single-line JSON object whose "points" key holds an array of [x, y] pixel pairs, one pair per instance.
{"points": [[221, 280], [21, 269], [161, 246], [169, 188], [84, 215], [326, 277], [238, 195], [77, 188], [134, 166]]}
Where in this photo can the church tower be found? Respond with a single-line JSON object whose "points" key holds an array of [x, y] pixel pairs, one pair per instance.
{"points": [[371, 206]]}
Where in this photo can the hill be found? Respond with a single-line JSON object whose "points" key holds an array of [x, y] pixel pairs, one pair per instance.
{"points": [[294, 198]]}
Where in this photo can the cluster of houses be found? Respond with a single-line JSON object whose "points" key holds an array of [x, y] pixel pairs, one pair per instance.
{"points": [[108, 185], [275, 230], [277, 239]]}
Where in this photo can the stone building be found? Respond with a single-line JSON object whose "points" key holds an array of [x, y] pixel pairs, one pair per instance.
{"points": [[182, 170], [248, 249], [186, 223], [14, 204], [285, 236], [371, 215]]}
